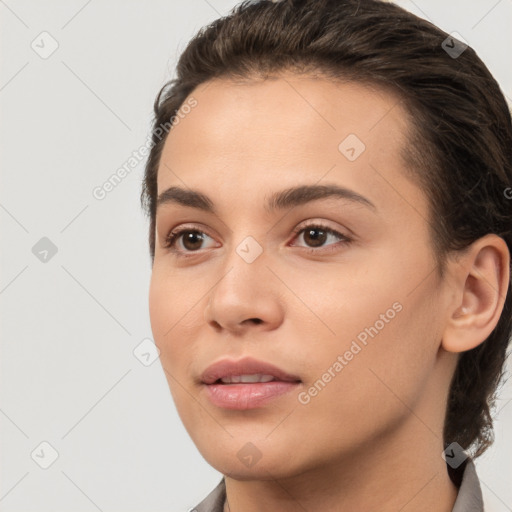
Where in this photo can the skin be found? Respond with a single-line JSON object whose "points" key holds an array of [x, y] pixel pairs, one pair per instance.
{"points": [[372, 438]]}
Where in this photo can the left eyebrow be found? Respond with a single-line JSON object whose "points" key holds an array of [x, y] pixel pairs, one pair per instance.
{"points": [[290, 197], [297, 196]]}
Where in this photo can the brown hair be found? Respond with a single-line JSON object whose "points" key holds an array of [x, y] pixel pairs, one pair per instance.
{"points": [[459, 151]]}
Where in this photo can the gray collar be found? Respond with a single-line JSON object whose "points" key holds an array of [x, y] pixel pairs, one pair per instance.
{"points": [[469, 498]]}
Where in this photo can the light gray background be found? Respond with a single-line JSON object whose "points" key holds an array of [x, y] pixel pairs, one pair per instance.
{"points": [[69, 326]]}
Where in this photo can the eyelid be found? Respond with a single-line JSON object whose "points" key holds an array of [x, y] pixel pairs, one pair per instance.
{"points": [[319, 222]]}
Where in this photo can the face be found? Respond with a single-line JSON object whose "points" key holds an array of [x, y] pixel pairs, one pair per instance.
{"points": [[337, 289]]}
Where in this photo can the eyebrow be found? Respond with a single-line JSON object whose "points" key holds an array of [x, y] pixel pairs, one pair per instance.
{"points": [[290, 197]]}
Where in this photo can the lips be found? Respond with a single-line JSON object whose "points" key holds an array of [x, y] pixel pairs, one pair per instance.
{"points": [[247, 383], [227, 368]]}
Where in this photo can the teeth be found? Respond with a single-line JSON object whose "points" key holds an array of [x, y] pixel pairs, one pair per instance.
{"points": [[259, 377]]}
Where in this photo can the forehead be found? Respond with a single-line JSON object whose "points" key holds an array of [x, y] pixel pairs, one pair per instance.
{"points": [[288, 130], [289, 106]]}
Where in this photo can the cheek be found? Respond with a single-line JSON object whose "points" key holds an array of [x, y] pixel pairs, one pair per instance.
{"points": [[161, 304], [385, 333], [371, 384], [170, 310], [171, 313]]}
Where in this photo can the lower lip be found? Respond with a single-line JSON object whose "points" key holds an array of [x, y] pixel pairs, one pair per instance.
{"points": [[247, 396]]}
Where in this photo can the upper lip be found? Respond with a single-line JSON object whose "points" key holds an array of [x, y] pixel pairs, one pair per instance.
{"points": [[245, 366]]}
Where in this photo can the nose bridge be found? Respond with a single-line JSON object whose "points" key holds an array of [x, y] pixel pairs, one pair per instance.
{"points": [[247, 251], [244, 268], [245, 290]]}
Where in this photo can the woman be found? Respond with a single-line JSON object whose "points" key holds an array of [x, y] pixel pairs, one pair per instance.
{"points": [[330, 233]]}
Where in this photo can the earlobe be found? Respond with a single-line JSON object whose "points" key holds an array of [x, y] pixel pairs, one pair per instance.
{"points": [[482, 278]]}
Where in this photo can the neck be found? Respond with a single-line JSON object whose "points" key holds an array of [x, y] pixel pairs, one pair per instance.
{"points": [[403, 472]]}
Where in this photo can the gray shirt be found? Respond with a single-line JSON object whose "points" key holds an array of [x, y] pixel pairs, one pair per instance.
{"points": [[469, 497]]}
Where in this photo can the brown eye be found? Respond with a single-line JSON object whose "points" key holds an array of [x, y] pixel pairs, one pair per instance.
{"points": [[191, 240], [316, 236]]}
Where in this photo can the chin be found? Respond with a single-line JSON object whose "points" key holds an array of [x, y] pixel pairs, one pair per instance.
{"points": [[242, 459]]}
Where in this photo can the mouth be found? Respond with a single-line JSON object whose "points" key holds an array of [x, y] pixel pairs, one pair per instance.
{"points": [[250, 379], [246, 370], [247, 395], [246, 384]]}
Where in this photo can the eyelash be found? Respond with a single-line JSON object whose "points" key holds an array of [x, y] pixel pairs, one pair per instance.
{"points": [[173, 236]]}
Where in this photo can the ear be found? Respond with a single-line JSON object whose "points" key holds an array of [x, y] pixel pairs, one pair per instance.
{"points": [[482, 277]]}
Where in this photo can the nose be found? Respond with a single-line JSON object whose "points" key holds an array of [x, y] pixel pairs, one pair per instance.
{"points": [[246, 296]]}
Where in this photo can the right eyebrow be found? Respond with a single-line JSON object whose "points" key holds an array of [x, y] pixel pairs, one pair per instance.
{"points": [[185, 197]]}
